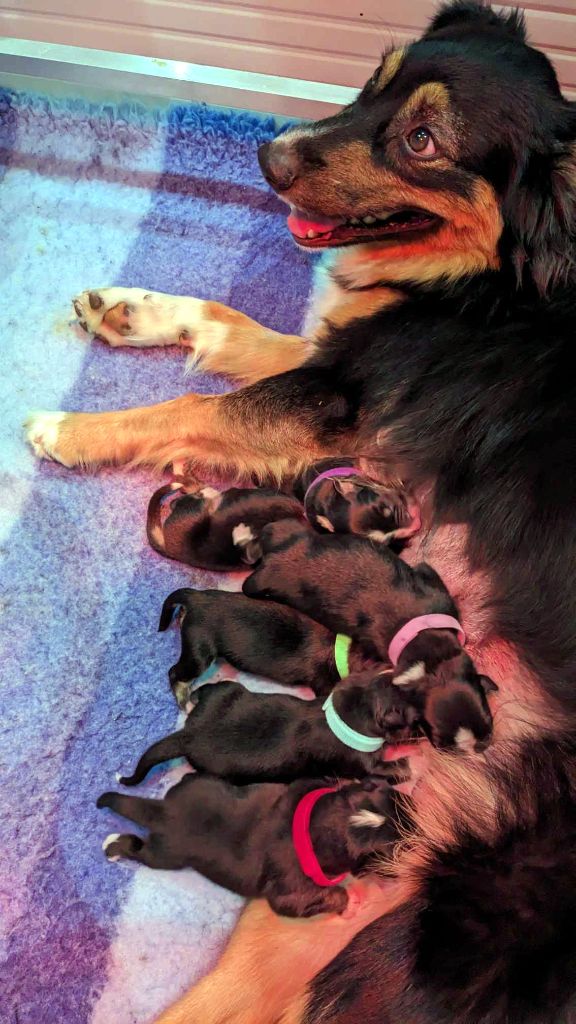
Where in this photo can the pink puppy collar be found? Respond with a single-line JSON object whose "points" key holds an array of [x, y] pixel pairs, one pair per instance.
{"points": [[417, 625], [302, 840], [337, 471]]}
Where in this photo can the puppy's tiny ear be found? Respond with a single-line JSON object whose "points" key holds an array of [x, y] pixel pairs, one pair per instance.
{"points": [[345, 487], [487, 684], [369, 785]]}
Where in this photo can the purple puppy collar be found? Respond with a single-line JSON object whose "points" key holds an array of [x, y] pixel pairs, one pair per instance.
{"points": [[407, 633], [337, 471]]}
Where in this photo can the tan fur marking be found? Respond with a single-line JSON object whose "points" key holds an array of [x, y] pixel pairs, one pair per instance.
{"points": [[433, 94], [251, 352], [356, 305], [249, 988], [466, 243], [390, 67]]}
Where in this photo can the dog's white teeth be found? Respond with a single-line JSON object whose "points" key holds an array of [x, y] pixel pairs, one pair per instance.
{"points": [[311, 234], [369, 220], [355, 220]]}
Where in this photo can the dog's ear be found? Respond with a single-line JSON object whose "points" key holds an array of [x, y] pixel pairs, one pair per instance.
{"points": [[345, 487], [539, 209], [487, 684], [461, 15]]}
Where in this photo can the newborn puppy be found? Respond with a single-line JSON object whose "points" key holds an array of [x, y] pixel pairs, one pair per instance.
{"points": [[253, 839], [362, 589], [213, 530], [260, 637], [339, 499], [247, 736], [220, 531]]}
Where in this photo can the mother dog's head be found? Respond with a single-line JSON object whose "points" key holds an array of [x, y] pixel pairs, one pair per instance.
{"points": [[458, 156]]}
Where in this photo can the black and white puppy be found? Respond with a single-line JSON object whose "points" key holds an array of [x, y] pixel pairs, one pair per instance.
{"points": [[241, 837], [261, 637], [247, 736], [338, 498], [362, 589], [213, 530], [220, 531]]}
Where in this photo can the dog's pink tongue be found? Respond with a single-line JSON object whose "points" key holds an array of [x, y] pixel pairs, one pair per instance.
{"points": [[299, 224]]}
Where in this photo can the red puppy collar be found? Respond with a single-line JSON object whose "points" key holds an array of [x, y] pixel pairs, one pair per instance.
{"points": [[302, 841]]}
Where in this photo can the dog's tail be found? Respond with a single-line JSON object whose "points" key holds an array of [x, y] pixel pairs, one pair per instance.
{"points": [[178, 598], [154, 528], [163, 750]]}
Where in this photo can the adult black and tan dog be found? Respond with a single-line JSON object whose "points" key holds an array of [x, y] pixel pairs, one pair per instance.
{"points": [[446, 357]]}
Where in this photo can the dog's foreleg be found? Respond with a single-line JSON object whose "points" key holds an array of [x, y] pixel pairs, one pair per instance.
{"points": [[217, 338], [269, 429]]}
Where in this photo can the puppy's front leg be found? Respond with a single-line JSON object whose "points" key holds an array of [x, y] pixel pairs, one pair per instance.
{"points": [[310, 901], [267, 429]]}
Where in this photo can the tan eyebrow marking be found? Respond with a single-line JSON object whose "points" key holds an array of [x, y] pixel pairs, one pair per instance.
{"points": [[435, 94], [390, 67]]}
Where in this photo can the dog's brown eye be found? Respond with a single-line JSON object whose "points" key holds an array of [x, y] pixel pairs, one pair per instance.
{"points": [[421, 142]]}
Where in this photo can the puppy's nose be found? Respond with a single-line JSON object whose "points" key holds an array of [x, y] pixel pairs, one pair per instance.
{"points": [[279, 165]]}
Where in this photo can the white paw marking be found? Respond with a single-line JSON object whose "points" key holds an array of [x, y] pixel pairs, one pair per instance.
{"points": [[242, 535], [367, 819], [42, 432], [465, 740], [209, 493], [416, 671], [324, 522], [108, 842], [379, 536]]}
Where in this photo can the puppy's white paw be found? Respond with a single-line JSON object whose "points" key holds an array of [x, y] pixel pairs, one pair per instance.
{"points": [[242, 535], [42, 433], [112, 838]]}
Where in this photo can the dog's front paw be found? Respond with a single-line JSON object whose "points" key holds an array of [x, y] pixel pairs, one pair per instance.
{"points": [[67, 437], [141, 319], [43, 431]]}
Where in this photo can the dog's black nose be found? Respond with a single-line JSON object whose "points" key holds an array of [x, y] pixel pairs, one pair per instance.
{"points": [[279, 164]]}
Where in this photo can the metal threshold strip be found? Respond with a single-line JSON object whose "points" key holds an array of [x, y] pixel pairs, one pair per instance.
{"points": [[168, 79]]}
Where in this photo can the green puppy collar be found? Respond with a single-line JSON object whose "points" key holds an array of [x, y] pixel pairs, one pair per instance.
{"points": [[341, 650]]}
